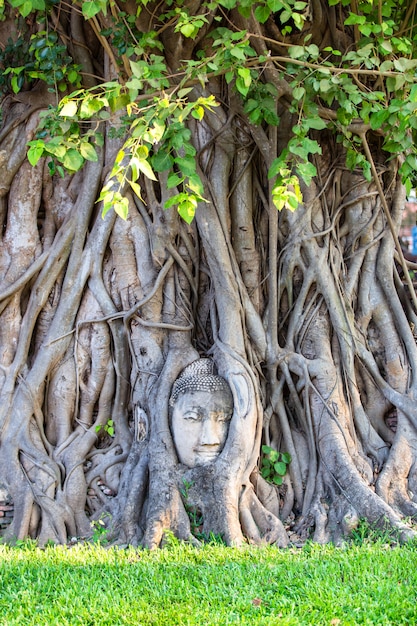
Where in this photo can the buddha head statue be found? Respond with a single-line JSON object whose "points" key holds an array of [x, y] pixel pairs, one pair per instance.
{"points": [[201, 406]]}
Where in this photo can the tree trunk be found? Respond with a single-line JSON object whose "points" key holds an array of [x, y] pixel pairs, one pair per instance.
{"points": [[302, 313]]}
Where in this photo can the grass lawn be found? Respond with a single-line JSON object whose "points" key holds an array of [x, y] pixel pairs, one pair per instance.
{"points": [[181, 585]]}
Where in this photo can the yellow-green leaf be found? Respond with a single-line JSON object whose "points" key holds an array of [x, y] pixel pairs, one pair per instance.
{"points": [[146, 169], [136, 188], [69, 109], [88, 151], [121, 207]]}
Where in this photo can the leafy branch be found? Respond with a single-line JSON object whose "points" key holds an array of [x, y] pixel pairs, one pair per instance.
{"points": [[373, 83]]}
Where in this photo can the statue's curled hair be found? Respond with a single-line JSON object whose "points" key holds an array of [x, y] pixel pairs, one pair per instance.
{"points": [[200, 375]]}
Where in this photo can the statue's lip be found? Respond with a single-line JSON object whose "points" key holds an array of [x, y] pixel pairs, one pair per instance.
{"points": [[207, 453]]}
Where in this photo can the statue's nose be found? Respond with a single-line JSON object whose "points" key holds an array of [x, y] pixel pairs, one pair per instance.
{"points": [[209, 433]]}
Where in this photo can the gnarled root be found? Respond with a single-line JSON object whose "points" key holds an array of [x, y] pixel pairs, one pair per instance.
{"points": [[165, 512], [258, 524]]}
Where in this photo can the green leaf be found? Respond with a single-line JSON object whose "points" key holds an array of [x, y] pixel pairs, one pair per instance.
{"points": [[15, 84], [187, 165], [403, 44], [313, 51], [186, 210], [238, 53], [292, 202], [296, 52], [137, 68], [184, 92], [89, 106], [262, 13], [312, 146], [413, 94], [355, 19], [273, 456], [277, 480], [366, 168], [244, 80], [325, 85], [280, 468], [162, 161], [228, 4], [195, 185], [286, 457], [385, 46], [198, 112], [88, 152], [134, 167], [275, 5], [404, 65], [56, 148], [174, 200], [386, 66], [73, 160], [26, 8], [408, 185], [35, 151], [298, 149], [188, 30], [245, 74], [91, 8], [142, 152], [174, 181], [378, 118], [367, 29], [73, 76], [275, 168], [298, 93], [317, 123], [307, 171]]}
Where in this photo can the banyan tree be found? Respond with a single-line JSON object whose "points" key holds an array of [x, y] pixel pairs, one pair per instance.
{"points": [[207, 325]]}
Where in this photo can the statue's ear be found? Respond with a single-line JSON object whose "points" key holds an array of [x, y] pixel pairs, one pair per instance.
{"points": [[240, 391]]}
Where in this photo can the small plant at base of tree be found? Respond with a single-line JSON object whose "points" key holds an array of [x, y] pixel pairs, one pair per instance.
{"points": [[108, 428], [26, 544], [195, 516], [100, 530], [274, 465], [366, 533]]}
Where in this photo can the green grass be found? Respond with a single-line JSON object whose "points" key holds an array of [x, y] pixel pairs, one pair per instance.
{"points": [[181, 585]]}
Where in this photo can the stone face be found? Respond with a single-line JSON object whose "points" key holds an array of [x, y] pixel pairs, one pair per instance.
{"points": [[201, 408], [200, 424]]}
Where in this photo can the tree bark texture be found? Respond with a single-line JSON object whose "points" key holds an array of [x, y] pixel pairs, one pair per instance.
{"points": [[303, 314]]}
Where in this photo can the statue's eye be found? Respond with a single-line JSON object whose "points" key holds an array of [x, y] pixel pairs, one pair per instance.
{"points": [[192, 415], [224, 417]]}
